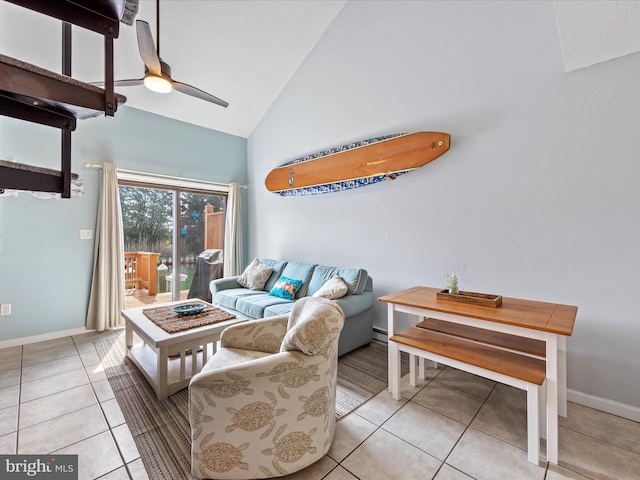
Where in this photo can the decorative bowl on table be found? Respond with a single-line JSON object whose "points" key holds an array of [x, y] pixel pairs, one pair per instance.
{"points": [[189, 308]]}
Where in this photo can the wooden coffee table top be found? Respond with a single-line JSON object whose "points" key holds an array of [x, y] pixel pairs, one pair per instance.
{"points": [[157, 337]]}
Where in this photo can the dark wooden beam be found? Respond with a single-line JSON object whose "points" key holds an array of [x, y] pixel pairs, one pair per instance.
{"points": [[30, 110], [95, 15], [18, 80], [19, 179]]}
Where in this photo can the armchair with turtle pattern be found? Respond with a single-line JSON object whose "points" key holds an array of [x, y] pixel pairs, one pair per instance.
{"points": [[264, 404]]}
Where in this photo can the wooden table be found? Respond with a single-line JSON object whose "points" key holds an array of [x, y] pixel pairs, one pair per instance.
{"points": [[548, 322], [161, 356]]}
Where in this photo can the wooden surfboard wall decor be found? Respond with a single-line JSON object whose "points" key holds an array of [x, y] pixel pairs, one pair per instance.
{"points": [[357, 164]]}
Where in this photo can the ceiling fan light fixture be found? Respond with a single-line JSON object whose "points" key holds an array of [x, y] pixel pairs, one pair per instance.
{"points": [[157, 84]]}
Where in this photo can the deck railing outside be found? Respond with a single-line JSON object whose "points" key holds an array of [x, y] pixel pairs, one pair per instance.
{"points": [[141, 271]]}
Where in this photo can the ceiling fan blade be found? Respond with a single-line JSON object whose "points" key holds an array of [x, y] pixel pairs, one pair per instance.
{"points": [[122, 83], [196, 92], [147, 48], [129, 83]]}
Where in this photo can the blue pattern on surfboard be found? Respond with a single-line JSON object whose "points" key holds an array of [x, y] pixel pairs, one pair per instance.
{"points": [[344, 185]]}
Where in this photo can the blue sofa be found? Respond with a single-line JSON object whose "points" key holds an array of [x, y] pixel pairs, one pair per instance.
{"points": [[357, 303]]}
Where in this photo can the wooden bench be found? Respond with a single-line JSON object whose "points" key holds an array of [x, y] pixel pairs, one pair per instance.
{"points": [[504, 358]]}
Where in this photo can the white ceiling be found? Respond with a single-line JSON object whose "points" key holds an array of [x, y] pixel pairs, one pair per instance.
{"points": [[246, 51], [596, 31], [243, 51]]}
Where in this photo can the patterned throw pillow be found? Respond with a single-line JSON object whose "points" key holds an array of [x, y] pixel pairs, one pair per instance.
{"points": [[285, 288], [333, 288], [255, 275]]}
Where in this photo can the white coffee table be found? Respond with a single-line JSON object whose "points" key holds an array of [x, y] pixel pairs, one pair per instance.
{"points": [[162, 357]]}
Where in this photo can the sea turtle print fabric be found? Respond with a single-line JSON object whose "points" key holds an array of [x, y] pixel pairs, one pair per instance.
{"points": [[272, 415]]}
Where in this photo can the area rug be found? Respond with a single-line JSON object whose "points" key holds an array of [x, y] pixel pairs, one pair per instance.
{"points": [[160, 429]]}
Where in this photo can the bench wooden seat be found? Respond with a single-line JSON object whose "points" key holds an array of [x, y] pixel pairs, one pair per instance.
{"points": [[489, 337], [527, 369], [518, 370]]}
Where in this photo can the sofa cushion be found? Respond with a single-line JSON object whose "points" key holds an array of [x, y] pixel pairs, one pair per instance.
{"points": [[228, 298], [285, 288], [299, 271], [254, 305], [355, 278], [278, 267], [255, 275], [333, 288], [278, 309]]}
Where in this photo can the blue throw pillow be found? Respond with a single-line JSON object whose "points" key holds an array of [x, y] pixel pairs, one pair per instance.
{"points": [[285, 288]]}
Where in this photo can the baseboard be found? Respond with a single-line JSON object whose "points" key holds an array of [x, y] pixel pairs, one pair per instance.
{"points": [[380, 334], [41, 338], [603, 404]]}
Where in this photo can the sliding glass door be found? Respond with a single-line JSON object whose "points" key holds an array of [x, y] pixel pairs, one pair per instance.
{"points": [[173, 239]]}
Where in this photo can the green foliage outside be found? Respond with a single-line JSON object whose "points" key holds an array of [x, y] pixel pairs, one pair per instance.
{"points": [[147, 216]]}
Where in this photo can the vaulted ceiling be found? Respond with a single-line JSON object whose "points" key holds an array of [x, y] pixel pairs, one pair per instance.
{"points": [[245, 52]]}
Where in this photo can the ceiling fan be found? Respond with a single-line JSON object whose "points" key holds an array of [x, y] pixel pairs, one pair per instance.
{"points": [[157, 74]]}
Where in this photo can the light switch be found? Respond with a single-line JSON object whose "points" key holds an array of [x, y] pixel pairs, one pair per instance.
{"points": [[86, 234]]}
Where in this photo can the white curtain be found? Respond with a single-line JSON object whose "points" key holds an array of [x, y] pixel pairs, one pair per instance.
{"points": [[233, 233], [107, 286]]}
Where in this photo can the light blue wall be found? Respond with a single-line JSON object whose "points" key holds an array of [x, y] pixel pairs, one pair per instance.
{"points": [[537, 198], [45, 269]]}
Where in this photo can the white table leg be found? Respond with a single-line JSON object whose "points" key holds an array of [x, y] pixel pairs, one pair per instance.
{"points": [[128, 335], [162, 369], [413, 380], [391, 330], [422, 372], [552, 398], [562, 375], [394, 370], [533, 423]]}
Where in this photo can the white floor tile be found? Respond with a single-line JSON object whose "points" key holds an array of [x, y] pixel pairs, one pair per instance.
{"points": [[137, 470], [44, 370], [8, 420], [33, 357], [447, 472], [384, 456], [60, 432], [596, 459], [351, 431], [56, 405], [113, 413], [425, 429], [53, 384], [466, 382], [380, 408], [97, 456], [103, 390], [8, 443], [486, 458], [454, 403], [9, 378], [9, 396], [339, 473], [603, 426], [125, 442]]}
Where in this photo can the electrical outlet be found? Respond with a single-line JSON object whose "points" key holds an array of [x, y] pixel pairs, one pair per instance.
{"points": [[86, 234], [5, 309]]}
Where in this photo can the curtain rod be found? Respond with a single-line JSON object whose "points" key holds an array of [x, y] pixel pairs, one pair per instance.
{"points": [[160, 175]]}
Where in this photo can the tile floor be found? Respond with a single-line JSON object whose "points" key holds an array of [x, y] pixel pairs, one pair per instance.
{"points": [[55, 398]]}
